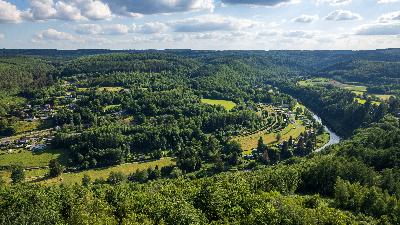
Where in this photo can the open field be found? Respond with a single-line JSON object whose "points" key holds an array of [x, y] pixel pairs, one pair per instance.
{"points": [[358, 90], [109, 107], [384, 97], [27, 158], [315, 81], [228, 105], [110, 89], [324, 81], [25, 126], [127, 169], [363, 101]]}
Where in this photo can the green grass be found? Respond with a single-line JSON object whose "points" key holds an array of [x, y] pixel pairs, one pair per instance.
{"points": [[228, 105], [127, 169], [358, 93], [25, 126], [109, 107], [383, 97], [323, 81], [357, 88], [29, 159], [110, 89], [314, 81], [360, 101], [363, 101], [322, 139], [250, 141]]}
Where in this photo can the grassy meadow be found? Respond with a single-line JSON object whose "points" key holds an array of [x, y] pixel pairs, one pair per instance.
{"points": [[228, 105]]}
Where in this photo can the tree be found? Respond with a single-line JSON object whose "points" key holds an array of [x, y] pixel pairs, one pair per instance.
{"points": [[290, 141], [56, 168], [86, 180], [278, 136], [261, 147], [285, 151], [140, 176], [116, 177], [265, 157], [176, 173], [154, 174], [17, 174]]}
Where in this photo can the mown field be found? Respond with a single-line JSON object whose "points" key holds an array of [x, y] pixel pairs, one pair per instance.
{"points": [[103, 173], [27, 158], [228, 105]]}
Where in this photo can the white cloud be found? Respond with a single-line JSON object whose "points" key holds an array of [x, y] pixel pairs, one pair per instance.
{"points": [[299, 34], [379, 29], [151, 28], [335, 2], [135, 7], [305, 18], [1, 36], [340, 15], [260, 2], [68, 10], [9, 13], [42, 9], [96, 29], [208, 23], [388, 17], [268, 33], [387, 1], [54, 35]]}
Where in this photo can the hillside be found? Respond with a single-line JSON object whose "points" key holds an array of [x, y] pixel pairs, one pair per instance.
{"points": [[199, 137]]}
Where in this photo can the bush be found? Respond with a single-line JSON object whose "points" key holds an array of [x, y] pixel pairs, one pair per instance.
{"points": [[116, 178], [56, 169], [17, 174]]}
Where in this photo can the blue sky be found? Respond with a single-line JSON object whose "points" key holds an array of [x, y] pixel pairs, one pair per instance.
{"points": [[200, 24]]}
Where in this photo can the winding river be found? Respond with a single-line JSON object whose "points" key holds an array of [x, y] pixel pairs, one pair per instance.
{"points": [[333, 137]]}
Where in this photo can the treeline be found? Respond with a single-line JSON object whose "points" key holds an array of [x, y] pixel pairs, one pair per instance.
{"points": [[123, 62]]}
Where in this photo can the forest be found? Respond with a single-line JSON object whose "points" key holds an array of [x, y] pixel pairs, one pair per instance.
{"points": [[199, 137]]}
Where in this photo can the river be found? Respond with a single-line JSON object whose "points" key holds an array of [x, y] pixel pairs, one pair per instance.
{"points": [[333, 137]]}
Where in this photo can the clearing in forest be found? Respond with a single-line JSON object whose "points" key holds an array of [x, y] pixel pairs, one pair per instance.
{"points": [[103, 173], [228, 105]]}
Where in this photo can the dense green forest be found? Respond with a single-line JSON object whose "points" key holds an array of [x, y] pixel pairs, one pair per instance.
{"points": [[199, 137]]}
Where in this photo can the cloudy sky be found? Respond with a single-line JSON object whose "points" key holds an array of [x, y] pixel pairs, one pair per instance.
{"points": [[200, 24]]}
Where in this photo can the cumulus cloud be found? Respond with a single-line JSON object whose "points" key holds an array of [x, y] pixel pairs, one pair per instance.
{"points": [[379, 29], [208, 23], [96, 29], [1, 36], [340, 15], [335, 2], [54, 35], [135, 7], [9, 13], [260, 2], [305, 18], [68, 10]]}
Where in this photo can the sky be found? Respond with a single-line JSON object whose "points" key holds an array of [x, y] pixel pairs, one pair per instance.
{"points": [[200, 24]]}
